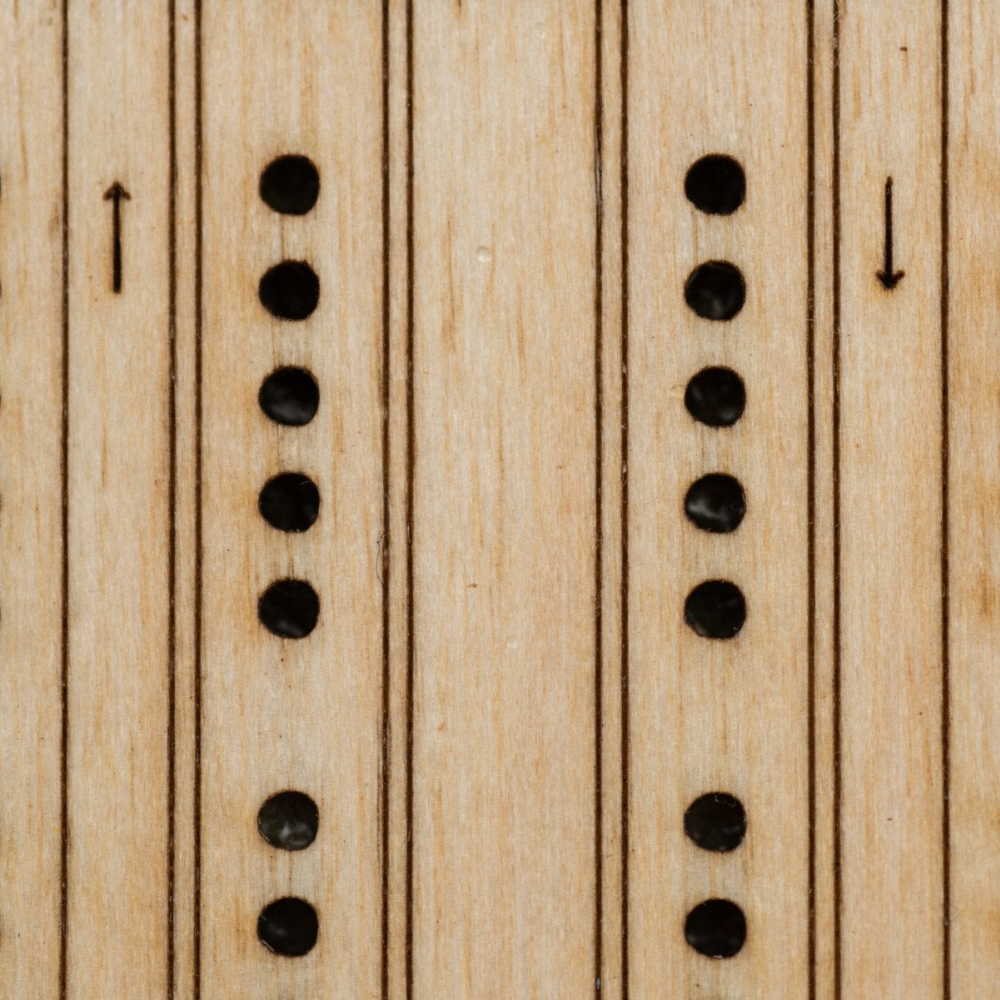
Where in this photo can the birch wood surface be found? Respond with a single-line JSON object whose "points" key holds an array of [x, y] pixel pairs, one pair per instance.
{"points": [[31, 613], [310, 709], [501, 713], [710, 715], [889, 549]]}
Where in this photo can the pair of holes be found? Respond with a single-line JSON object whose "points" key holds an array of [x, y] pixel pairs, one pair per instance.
{"points": [[288, 926], [717, 822], [290, 290], [716, 184], [715, 609], [289, 608]]}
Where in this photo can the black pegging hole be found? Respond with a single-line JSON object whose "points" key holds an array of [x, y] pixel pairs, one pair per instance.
{"points": [[289, 609], [716, 397], [716, 503], [290, 290], [716, 928], [716, 609], [290, 184], [289, 396], [289, 502], [715, 290], [289, 821], [288, 926], [716, 184], [716, 822]]}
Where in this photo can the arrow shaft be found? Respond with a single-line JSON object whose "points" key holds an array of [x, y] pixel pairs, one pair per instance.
{"points": [[116, 245], [888, 226]]}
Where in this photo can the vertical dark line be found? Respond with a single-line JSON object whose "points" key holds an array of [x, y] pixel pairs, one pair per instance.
{"points": [[945, 511], [199, 543], [410, 468], [116, 247], [811, 473], [64, 669], [598, 495], [385, 556], [837, 775], [172, 488], [626, 729]]}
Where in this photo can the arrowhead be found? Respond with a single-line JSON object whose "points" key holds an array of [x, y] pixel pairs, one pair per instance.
{"points": [[117, 192], [890, 280]]}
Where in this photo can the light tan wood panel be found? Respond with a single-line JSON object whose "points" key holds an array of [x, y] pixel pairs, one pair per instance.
{"points": [[709, 714], [475, 525], [302, 714], [504, 526], [120, 654], [889, 545], [31, 562], [974, 481]]}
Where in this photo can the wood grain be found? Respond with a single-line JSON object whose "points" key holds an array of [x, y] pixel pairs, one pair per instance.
{"points": [[973, 392], [504, 531], [889, 546], [501, 713], [708, 715], [119, 505], [300, 714], [31, 533]]}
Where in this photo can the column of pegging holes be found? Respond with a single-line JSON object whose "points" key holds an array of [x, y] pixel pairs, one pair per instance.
{"points": [[716, 609], [289, 502]]}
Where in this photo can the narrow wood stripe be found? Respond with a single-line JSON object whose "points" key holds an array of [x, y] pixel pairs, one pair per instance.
{"points": [[945, 515], [64, 693], [626, 717], [598, 495]]}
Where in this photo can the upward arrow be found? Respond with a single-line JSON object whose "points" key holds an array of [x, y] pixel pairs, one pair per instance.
{"points": [[887, 275], [115, 194]]}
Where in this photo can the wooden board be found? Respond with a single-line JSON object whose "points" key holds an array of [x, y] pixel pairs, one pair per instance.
{"points": [[709, 715], [506, 706], [312, 713]]}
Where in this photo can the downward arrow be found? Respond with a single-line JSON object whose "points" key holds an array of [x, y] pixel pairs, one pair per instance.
{"points": [[887, 275]]}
